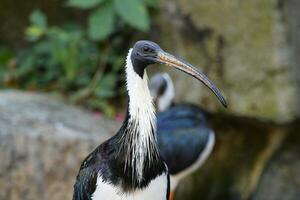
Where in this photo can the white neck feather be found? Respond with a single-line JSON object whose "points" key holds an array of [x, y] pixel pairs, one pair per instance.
{"points": [[165, 101], [142, 121]]}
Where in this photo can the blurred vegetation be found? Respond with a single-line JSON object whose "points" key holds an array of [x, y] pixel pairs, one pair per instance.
{"points": [[102, 19], [81, 61]]}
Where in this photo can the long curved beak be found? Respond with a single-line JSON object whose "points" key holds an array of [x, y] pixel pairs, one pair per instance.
{"points": [[170, 60]]}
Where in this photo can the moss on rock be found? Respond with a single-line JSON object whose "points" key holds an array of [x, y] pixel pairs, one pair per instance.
{"points": [[243, 54]]}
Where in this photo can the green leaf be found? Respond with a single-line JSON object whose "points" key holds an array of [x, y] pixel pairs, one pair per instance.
{"points": [[5, 55], [134, 13], [109, 80], [152, 3], [103, 93], [106, 86], [33, 33], [25, 67], [101, 21], [38, 19], [84, 4]]}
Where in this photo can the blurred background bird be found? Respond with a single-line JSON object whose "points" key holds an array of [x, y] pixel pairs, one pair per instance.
{"points": [[185, 139]]}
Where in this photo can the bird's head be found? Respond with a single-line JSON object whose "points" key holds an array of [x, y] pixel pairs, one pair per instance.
{"points": [[162, 90], [145, 53]]}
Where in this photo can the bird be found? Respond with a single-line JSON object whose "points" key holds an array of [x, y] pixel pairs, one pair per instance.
{"points": [[128, 166], [185, 140]]}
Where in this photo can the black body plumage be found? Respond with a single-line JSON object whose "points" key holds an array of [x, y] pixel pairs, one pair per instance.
{"points": [[183, 134], [109, 158]]}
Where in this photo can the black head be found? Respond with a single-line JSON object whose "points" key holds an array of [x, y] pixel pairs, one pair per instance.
{"points": [[144, 53]]}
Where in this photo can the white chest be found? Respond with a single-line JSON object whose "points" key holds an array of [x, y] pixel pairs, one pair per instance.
{"points": [[156, 190]]}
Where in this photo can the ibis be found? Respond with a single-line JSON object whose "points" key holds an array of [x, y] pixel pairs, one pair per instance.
{"points": [[185, 140], [128, 166]]}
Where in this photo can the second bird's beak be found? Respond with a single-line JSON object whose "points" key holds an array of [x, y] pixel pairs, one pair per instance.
{"points": [[170, 60]]}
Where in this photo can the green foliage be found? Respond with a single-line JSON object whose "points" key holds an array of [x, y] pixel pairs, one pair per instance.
{"points": [[151, 3], [58, 55], [84, 4], [5, 56], [133, 12], [6, 62], [61, 56], [101, 22], [38, 25], [64, 59], [102, 19], [37, 18]]}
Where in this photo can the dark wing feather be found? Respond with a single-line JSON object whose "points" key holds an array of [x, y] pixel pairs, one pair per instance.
{"points": [[183, 134], [86, 180], [168, 187], [85, 185]]}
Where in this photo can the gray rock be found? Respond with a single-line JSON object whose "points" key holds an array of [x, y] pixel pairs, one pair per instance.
{"points": [[42, 144], [281, 179]]}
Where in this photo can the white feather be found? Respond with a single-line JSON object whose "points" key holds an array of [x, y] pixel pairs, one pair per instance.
{"points": [[140, 137], [157, 189]]}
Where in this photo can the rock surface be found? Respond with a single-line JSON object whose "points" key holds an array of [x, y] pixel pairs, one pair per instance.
{"points": [[248, 48], [42, 144], [281, 179]]}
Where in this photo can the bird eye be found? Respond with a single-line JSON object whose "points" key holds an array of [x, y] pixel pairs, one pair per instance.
{"points": [[146, 49]]}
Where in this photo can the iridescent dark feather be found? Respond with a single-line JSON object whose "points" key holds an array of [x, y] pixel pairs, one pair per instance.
{"points": [[85, 184], [182, 136]]}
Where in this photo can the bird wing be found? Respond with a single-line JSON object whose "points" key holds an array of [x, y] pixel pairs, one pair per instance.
{"points": [[182, 136], [86, 180], [85, 184], [181, 116]]}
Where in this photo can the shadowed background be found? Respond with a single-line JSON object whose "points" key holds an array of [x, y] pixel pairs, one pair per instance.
{"points": [[62, 81]]}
